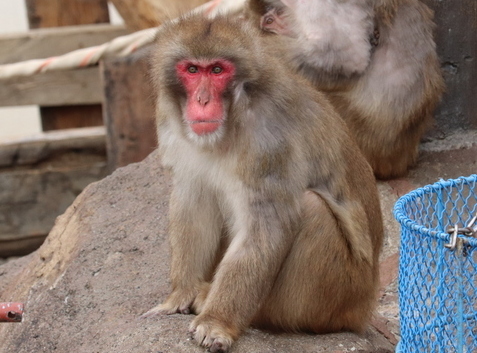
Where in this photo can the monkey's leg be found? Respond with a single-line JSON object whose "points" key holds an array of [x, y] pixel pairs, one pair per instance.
{"points": [[389, 148], [246, 273], [194, 235], [321, 287], [397, 156]]}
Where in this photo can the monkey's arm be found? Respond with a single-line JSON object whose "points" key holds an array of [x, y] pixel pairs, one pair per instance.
{"points": [[194, 235], [263, 232], [341, 177]]}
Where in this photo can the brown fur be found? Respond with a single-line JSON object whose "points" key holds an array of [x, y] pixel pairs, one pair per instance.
{"points": [[275, 222], [388, 106]]}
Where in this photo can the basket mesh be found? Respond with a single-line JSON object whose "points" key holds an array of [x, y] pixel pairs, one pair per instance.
{"points": [[437, 285]]}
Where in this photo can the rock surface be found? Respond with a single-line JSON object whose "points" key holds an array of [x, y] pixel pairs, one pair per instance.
{"points": [[105, 263], [40, 176]]}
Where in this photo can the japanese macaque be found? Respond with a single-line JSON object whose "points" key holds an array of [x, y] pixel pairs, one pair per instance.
{"points": [[275, 219], [375, 60]]}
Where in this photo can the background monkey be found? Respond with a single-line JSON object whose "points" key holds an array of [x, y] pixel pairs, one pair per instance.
{"points": [[377, 63], [274, 216]]}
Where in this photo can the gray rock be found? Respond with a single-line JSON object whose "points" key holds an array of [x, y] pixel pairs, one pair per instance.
{"points": [[104, 264]]}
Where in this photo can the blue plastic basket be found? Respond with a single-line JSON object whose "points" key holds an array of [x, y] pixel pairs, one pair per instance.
{"points": [[438, 283]]}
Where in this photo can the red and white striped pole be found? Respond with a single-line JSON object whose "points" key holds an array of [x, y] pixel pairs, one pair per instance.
{"points": [[11, 312]]}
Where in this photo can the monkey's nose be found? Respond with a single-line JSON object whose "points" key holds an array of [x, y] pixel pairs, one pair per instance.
{"points": [[202, 100]]}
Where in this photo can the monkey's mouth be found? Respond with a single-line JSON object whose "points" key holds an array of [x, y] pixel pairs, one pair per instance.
{"points": [[203, 127]]}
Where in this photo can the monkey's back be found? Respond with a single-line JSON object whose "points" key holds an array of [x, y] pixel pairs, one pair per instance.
{"points": [[304, 130]]}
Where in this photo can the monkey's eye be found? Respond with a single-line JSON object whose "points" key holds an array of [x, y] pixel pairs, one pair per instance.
{"points": [[193, 69], [269, 20], [217, 69]]}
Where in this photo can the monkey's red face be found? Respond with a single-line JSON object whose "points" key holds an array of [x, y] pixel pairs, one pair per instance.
{"points": [[205, 83]]}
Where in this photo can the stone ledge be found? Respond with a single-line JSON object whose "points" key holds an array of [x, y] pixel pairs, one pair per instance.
{"points": [[105, 263]]}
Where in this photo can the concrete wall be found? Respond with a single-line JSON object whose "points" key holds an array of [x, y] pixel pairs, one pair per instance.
{"points": [[456, 39]]}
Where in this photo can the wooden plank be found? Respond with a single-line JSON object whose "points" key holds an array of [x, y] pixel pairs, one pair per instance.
{"points": [[140, 14], [87, 115], [47, 42], [81, 86], [33, 149], [128, 109], [57, 13], [14, 245]]}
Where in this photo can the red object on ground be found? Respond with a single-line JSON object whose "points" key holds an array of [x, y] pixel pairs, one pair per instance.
{"points": [[11, 312]]}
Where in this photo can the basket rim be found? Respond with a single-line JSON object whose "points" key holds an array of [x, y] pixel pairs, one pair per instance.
{"points": [[406, 222]]}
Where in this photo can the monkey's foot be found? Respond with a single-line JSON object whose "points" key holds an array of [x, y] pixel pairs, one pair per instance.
{"points": [[177, 302], [184, 301], [211, 335]]}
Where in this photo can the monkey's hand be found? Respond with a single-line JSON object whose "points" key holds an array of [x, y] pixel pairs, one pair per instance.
{"points": [[183, 301], [212, 334]]}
